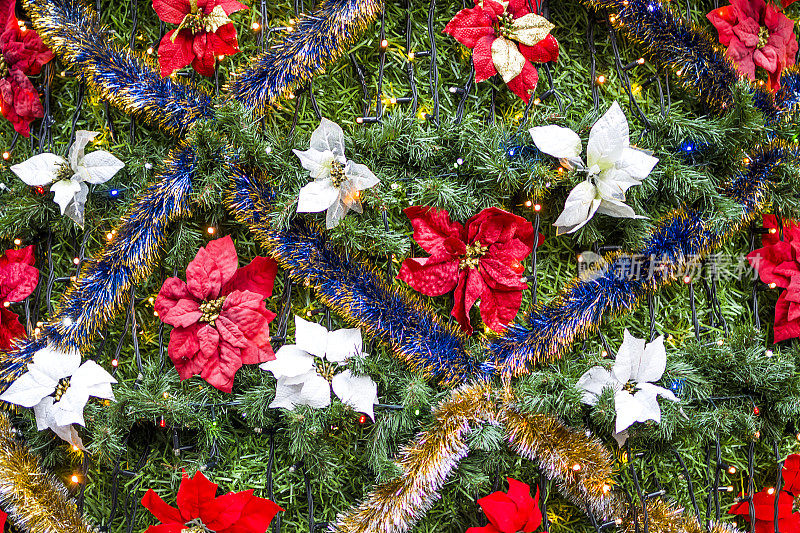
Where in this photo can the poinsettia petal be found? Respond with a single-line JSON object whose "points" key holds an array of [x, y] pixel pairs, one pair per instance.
{"points": [[193, 494], [17, 282], [482, 58], [784, 328], [527, 509], [500, 510], [221, 513], [256, 516], [212, 268], [258, 277], [359, 392], [470, 287], [10, 328], [544, 51], [525, 83], [230, 6], [164, 513], [184, 351], [39, 170], [791, 474], [172, 291], [430, 277], [204, 57], [432, 227], [469, 25], [185, 313], [166, 528], [172, 11], [174, 56]]}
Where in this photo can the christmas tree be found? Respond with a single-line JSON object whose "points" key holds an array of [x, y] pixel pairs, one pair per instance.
{"points": [[387, 267]]}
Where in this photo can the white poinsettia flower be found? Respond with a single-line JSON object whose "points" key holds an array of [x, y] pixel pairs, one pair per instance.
{"points": [[70, 177], [308, 370], [338, 182], [612, 167], [58, 387], [637, 367]]}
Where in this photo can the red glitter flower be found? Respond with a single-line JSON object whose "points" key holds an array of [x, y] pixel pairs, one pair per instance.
{"points": [[778, 264], [756, 34], [23, 54], [764, 505], [512, 511], [219, 315], [505, 38], [200, 510], [18, 279], [204, 33], [480, 261]]}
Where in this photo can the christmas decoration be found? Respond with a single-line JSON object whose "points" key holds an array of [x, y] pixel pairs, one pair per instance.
{"points": [[638, 365], [338, 182], [68, 178], [204, 33], [612, 167], [58, 387], [18, 279], [506, 38], [479, 261], [512, 511], [746, 165], [23, 55], [756, 34], [218, 314], [199, 509], [777, 265], [304, 381]]}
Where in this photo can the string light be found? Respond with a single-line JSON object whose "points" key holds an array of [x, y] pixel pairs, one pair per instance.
{"points": [[76, 260], [150, 50], [17, 241], [255, 26], [687, 279], [601, 79], [211, 230], [772, 285], [528, 203], [537, 207], [771, 491], [162, 422], [115, 363], [756, 410], [362, 419], [576, 467], [773, 231], [720, 342], [75, 479], [384, 43], [768, 353], [6, 155], [75, 448]]}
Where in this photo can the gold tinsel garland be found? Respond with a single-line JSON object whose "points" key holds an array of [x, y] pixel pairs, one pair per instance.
{"points": [[35, 500], [580, 465]]}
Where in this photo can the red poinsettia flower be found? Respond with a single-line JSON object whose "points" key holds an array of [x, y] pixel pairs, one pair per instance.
{"points": [[3, 518], [480, 262], [791, 474], [756, 34], [764, 505], [18, 279], [219, 315], [512, 511], [199, 509], [23, 54], [787, 3], [778, 264], [505, 38], [204, 33]]}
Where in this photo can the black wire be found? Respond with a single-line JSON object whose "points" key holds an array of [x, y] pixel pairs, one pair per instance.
{"points": [[410, 64], [750, 488], [778, 483], [592, 63], [689, 484], [434, 76]]}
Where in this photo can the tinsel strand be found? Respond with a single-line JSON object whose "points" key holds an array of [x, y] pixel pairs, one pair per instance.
{"points": [[315, 41], [104, 284], [355, 289], [395, 507], [35, 500], [127, 80]]}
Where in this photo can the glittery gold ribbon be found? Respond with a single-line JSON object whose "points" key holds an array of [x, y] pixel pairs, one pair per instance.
{"points": [[580, 465], [35, 500]]}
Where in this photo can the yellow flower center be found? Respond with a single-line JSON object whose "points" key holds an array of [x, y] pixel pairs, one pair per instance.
{"points": [[473, 255], [210, 310], [61, 388], [198, 21], [763, 37], [3, 67], [326, 369], [337, 173], [630, 387]]}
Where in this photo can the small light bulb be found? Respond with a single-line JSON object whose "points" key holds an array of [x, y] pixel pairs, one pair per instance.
{"points": [[537, 101], [17, 241], [211, 230], [746, 161], [773, 231], [150, 50], [359, 120], [76, 260], [411, 58], [166, 395], [255, 26], [75, 478], [768, 353], [729, 488], [731, 469], [771, 491], [6, 304], [687, 279], [151, 300], [604, 353], [109, 236], [537, 207], [221, 57], [6, 155], [640, 61], [291, 96], [773, 285], [75, 448], [115, 363], [601, 79], [576, 467], [720, 342], [384, 43], [528, 203], [606, 488]]}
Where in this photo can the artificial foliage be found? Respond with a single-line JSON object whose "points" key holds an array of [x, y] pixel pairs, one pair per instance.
{"points": [[213, 158]]}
